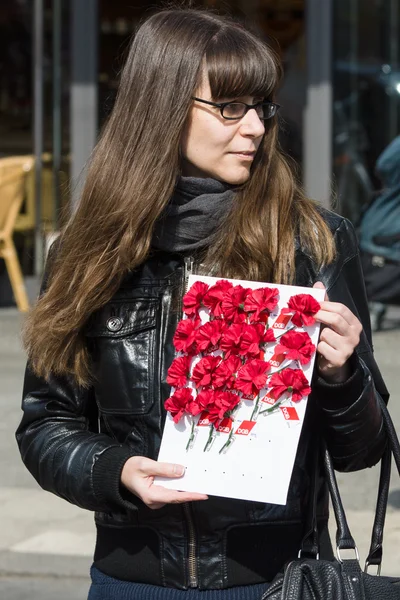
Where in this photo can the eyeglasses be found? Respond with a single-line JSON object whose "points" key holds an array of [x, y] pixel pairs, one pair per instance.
{"points": [[233, 111]]}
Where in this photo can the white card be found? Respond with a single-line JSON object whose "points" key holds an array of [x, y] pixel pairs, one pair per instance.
{"points": [[252, 451]]}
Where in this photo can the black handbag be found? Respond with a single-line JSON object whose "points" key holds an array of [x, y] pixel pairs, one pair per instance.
{"points": [[308, 578]]}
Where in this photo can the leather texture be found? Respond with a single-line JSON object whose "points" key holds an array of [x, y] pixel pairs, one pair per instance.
{"points": [[393, 449], [331, 580], [75, 441], [343, 580]]}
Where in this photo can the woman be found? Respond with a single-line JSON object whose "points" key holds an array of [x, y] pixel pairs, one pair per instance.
{"points": [[187, 167]]}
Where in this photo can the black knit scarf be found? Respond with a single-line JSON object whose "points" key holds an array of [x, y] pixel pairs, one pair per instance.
{"points": [[192, 216]]}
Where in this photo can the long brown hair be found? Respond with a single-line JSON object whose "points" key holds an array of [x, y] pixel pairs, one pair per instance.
{"points": [[133, 172]]}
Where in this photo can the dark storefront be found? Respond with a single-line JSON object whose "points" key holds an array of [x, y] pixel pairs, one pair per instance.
{"points": [[340, 97]]}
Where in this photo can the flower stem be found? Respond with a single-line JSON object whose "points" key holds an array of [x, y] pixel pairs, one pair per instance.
{"points": [[269, 410], [255, 409], [190, 437], [228, 442], [283, 332], [210, 437], [279, 370]]}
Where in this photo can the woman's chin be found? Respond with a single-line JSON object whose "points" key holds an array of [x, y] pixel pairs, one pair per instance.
{"points": [[237, 177]]}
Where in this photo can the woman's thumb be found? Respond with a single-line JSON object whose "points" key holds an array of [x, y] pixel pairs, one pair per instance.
{"points": [[319, 285]]}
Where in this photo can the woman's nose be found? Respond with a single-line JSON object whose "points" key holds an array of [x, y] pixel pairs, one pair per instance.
{"points": [[252, 125]]}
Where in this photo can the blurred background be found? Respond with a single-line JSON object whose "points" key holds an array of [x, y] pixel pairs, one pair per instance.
{"points": [[59, 68], [60, 59]]}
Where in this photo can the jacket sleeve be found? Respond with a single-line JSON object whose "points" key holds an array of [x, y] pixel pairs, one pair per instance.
{"points": [[61, 447], [350, 411], [60, 443]]}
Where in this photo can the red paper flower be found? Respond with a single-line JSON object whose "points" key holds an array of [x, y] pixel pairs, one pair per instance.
{"points": [[304, 307], [267, 335], [224, 374], [209, 335], [261, 302], [205, 400], [179, 371], [289, 380], [233, 304], [231, 340], [178, 402], [252, 377], [204, 369], [296, 345], [200, 402], [185, 337], [214, 296], [227, 400], [224, 402], [253, 338], [193, 299]]}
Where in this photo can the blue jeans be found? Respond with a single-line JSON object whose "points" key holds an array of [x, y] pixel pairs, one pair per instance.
{"points": [[105, 587]]}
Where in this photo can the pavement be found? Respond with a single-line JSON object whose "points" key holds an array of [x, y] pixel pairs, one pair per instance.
{"points": [[46, 544]]}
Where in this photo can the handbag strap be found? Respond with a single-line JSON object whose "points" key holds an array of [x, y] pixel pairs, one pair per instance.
{"points": [[344, 539], [393, 440], [310, 542], [375, 552]]}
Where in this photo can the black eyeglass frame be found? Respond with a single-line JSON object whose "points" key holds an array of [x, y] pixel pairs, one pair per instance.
{"points": [[221, 106]]}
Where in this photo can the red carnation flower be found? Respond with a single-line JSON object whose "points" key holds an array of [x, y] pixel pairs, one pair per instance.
{"points": [[261, 302], [200, 402], [209, 335], [224, 402], [251, 340], [268, 334], [178, 402], [296, 345], [214, 296], [227, 400], [205, 400], [204, 369], [231, 339], [233, 304], [289, 380], [224, 374], [252, 377], [185, 336], [179, 371], [304, 307], [193, 299]]}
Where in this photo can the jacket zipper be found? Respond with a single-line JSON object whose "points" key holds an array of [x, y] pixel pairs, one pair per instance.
{"points": [[192, 559], [187, 270]]}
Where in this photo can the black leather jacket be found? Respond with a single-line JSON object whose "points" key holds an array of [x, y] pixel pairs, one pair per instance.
{"points": [[75, 441]]}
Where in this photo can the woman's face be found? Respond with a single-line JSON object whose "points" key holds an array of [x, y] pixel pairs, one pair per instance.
{"points": [[215, 147]]}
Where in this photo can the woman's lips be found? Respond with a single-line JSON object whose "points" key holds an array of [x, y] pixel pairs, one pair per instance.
{"points": [[245, 155]]}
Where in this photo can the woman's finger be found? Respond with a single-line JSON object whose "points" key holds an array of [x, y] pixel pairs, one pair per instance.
{"points": [[332, 356], [337, 341], [341, 310], [333, 320], [319, 285], [150, 467], [157, 495], [338, 323]]}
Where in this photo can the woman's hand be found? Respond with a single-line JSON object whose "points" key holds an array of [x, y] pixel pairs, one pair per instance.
{"points": [[340, 334], [138, 477]]}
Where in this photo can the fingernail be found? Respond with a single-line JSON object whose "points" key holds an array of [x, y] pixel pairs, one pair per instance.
{"points": [[179, 470]]}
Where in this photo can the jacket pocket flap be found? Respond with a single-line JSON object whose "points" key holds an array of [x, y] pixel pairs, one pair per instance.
{"points": [[120, 320]]}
